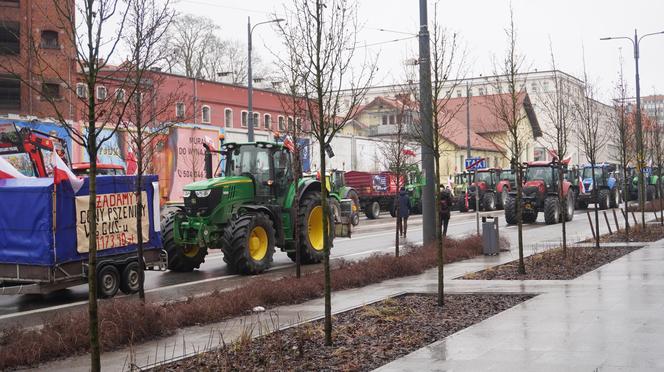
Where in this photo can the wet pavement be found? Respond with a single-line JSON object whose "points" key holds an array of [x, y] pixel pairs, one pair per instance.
{"points": [[606, 320]]}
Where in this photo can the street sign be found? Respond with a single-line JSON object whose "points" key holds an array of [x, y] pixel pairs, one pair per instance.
{"points": [[475, 163]]}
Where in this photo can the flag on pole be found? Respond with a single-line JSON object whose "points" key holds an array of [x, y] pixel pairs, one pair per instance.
{"points": [[61, 172], [288, 143], [7, 170]]}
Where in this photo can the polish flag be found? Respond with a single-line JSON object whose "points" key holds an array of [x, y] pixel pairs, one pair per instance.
{"points": [[61, 172], [288, 143], [132, 164], [7, 170]]}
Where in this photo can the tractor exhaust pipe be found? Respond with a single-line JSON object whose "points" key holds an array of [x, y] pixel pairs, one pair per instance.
{"points": [[208, 161]]}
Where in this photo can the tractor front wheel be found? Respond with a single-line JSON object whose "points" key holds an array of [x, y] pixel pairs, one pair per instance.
{"points": [[569, 207], [615, 198], [248, 244], [604, 199], [181, 257], [510, 210], [551, 210], [489, 201]]}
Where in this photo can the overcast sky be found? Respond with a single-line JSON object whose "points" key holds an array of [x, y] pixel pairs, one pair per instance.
{"points": [[481, 23]]}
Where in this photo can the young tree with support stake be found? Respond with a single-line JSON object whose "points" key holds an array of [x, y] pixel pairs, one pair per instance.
{"points": [[323, 34], [559, 109], [658, 157], [506, 109], [148, 23], [591, 134], [623, 132], [86, 26]]}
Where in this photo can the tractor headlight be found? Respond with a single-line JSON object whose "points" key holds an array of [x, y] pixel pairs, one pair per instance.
{"points": [[186, 193], [203, 193]]}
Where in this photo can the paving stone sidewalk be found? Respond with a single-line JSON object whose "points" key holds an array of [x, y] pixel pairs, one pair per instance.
{"points": [[609, 318]]}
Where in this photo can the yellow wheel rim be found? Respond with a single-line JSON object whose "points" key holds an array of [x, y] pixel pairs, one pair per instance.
{"points": [[190, 250], [315, 225], [258, 243]]}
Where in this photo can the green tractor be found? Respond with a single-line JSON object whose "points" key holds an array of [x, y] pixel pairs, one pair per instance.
{"points": [[414, 184], [460, 190], [338, 191], [246, 212]]}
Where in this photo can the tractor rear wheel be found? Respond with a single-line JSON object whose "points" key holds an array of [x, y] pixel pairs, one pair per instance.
{"points": [[489, 201], [310, 220], [372, 210], [569, 207], [604, 199], [335, 207], [503, 198], [551, 210], [181, 258], [248, 243], [510, 210]]}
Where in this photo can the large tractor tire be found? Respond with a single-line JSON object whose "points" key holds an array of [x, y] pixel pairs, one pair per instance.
{"points": [[510, 210], [569, 207], [310, 220], [461, 204], [335, 207], [551, 210], [372, 210], [604, 197], [503, 198], [582, 204], [650, 192], [489, 201], [355, 216], [615, 198], [530, 217], [248, 243], [182, 258]]}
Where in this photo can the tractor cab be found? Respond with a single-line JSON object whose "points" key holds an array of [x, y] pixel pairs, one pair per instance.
{"points": [[29, 150], [604, 175], [599, 185], [509, 176], [486, 178]]}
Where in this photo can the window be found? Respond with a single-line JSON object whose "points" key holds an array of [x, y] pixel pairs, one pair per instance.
{"points": [[10, 93], [256, 120], [480, 91], [49, 39], [101, 93], [243, 121], [533, 86], [545, 86], [393, 120], [81, 90], [282, 127], [179, 110], [120, 95], [138, 98], [51, 90], [267, 121], [10, 33], [458, 92], [205, 114], [228, 118], [290, 123], [384, 119]]}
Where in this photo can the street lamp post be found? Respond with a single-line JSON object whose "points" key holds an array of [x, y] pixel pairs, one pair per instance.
{"points": [[639, 127], [250, 82]]}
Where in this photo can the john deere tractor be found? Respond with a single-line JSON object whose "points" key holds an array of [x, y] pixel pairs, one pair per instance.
{"points": [[540, 193], [246, 212], [338, 191]]}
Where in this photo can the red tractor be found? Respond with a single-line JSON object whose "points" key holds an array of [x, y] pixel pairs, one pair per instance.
{"points": [[540, 193], [29, 150], [493, 189]]}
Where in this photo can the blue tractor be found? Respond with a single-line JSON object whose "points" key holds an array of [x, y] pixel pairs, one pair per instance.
{"points": [[607, 185]]}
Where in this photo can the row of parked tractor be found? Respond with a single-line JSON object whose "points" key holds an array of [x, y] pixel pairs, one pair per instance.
{"points": [[494, 188]]}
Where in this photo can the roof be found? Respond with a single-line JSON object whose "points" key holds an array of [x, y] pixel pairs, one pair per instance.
{"points": [[456, 132]]}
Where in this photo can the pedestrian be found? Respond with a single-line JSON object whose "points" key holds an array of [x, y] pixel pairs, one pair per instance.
{"points": [[445, 205], [403, 212]]}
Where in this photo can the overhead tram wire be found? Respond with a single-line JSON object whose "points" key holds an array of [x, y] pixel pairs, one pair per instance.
{"points": [[382, 42]]}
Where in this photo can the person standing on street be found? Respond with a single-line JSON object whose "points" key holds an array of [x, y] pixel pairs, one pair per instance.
{"points": [[445, 205], [403, 212]]}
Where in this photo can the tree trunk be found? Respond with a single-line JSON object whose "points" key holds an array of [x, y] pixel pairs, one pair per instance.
{"points": [[139, 211], [596, 197], [396, 207], [519, 215], [326, 247], [297, 171], [563, 207], [95, 354], [625, 197], [439, 234]]}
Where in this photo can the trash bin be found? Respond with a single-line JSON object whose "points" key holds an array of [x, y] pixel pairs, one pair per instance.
{"points": [[490, 236]]}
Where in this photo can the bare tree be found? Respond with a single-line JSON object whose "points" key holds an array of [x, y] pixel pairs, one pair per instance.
{"points": [[148, 23], [559, 109], [591, 134], [324, 33], [507, 111], [658, 148], [623, 136], [91, 30]]}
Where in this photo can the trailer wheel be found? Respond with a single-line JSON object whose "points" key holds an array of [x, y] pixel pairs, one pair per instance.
{"points": [[108, 281], [130, 279], [373, 210]]}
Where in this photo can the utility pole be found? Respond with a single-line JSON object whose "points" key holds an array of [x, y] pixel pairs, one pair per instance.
{"points": [[426, 117], [469, 155]]}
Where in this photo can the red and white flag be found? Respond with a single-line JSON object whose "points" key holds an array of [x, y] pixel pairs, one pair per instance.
{"points": [[7, 170], [132, 164], [61, 172], [288, 143]]}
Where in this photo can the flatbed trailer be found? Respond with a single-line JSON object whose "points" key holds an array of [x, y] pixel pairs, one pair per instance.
{"points": [[43, 241]]}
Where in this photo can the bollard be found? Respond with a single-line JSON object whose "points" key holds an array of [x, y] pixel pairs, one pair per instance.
{"points": [[591, 225], [615, 217], [607, 223]]}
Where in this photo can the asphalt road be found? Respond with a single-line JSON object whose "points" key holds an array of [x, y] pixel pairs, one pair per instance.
{"points": [[371, 236]]}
